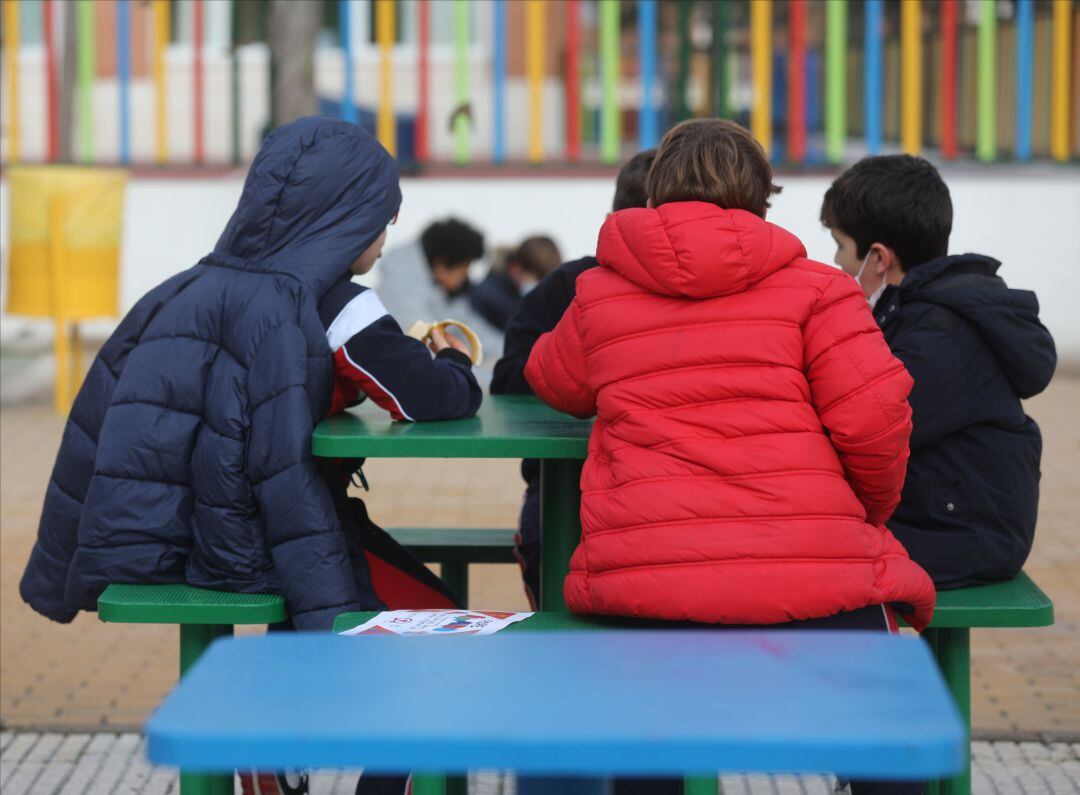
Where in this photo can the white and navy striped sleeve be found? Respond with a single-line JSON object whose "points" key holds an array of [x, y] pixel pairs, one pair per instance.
{"points": [[373, 358]]}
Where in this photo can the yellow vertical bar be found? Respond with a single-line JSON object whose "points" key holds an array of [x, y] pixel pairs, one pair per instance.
{"points": [[11, 55], [911, 75], [761, 69], [161, 117], [534, 55], [75, 363], [385, 24], [1059, 108]]}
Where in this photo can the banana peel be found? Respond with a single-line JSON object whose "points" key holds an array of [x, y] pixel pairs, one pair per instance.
{"points": [[421, 330]]}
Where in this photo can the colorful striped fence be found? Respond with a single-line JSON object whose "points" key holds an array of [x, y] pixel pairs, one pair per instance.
{"points": [[987, 73]]}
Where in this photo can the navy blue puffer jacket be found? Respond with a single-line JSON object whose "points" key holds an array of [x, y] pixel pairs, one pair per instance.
{"points": [[187, 456], [975, 348]]}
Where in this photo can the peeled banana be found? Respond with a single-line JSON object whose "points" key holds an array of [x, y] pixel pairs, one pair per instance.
{"points": [[421, 330]]}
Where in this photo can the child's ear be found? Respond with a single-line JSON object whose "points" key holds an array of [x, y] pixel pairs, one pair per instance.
{"points": [[890, 262]]}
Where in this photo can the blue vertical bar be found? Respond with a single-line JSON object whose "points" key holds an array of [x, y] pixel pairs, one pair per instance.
{"points": [[499, 137], [873, 81], [348, 99], [1025, 56], [123, 69], [648, 131]]}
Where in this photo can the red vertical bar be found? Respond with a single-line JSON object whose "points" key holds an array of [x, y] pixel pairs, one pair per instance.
{"points": [[573, 80], [796, 75], [52, 115], [422, 67], [948, 80], [197, 41]]}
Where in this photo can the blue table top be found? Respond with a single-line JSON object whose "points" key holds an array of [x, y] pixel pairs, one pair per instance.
{"points": [[856, 704]]}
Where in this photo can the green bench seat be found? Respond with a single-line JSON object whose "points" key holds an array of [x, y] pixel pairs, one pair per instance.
{"points": [[1016, 603], [455, 548]]}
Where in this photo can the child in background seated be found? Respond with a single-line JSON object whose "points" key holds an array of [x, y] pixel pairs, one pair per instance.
{"points": [[752, 427], [974, 347]]}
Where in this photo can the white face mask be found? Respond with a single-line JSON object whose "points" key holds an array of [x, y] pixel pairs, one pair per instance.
{"points": [[876, 295]]}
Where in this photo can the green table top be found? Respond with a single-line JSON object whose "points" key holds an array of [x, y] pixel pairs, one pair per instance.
{"points": [[1016, 603], [507, 426]]}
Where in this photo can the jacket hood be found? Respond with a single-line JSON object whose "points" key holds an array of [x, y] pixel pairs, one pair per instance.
{"points": [[1006, 319], [318, 193], [694, 249]]}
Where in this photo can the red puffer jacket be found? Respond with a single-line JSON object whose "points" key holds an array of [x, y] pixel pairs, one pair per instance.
{"points": [[752, 427]]}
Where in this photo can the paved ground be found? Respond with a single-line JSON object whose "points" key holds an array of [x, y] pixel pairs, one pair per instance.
{"points": [[89, 676], [73, 764]]}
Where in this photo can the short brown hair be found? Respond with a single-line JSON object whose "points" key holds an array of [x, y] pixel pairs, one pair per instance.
{"points": [[538, 256], [711, 160], [630, 184]]}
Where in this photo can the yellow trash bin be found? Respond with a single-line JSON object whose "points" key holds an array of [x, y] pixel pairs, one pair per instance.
{"points": [[65, 224]]}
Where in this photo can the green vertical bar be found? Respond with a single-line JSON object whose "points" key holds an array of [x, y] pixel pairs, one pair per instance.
{"points": [[194, 640], [985, 135], [560, 523], [835, 79], [701, 785], [953, 650], [721, 17], [682, 105], [85, 33], [461, 81], [234, 79], [610, 122], [426, 783]]}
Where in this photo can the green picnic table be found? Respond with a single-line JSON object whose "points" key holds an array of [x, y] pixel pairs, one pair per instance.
{"points": [[507, 426]]}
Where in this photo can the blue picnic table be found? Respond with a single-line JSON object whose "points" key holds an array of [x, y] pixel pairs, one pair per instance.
{"points": [[647, 702]]}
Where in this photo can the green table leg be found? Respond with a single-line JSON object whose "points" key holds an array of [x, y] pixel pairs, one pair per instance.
{"points": [[701, 785], [952, 648], [427, 784], [456, 576], [457, 785], [560, 523], [194, 640], [930, 637]]}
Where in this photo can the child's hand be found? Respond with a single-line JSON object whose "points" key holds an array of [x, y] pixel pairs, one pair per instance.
{"points": [[441, 340]]}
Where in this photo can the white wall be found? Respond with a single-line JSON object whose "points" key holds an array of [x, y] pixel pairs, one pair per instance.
{"points": [[1031, 222]]}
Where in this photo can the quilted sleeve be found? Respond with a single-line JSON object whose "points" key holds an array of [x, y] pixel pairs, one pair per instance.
{"points": [[860, 391], [303, 531], [556, 369], [43, 583]]}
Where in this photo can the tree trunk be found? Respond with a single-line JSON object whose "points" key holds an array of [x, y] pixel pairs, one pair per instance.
{"points": [[294, 28]]}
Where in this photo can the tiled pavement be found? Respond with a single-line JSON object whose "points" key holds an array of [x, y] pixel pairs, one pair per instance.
{"points": [[89, 676], [96, 764]]}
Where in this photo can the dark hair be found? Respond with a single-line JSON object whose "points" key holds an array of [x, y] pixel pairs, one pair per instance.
{"points": [[630, 184], [899, 201], [538, 256], [454, 242], [712, 160]]}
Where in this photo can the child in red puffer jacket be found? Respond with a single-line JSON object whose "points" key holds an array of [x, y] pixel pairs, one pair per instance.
{"points": [[752, 426]]}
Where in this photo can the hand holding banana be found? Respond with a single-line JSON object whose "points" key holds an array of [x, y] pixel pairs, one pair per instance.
{"points": [[437, 338]]}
